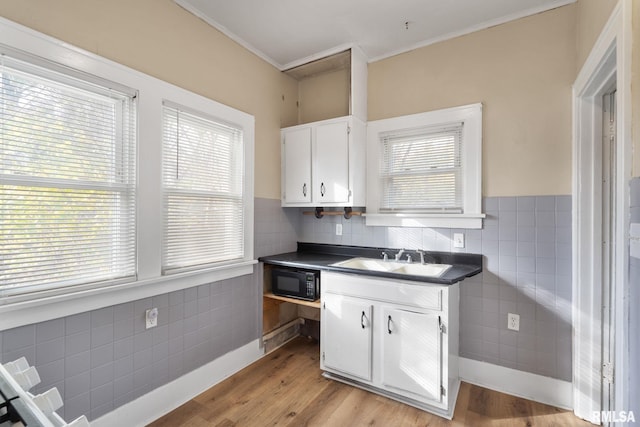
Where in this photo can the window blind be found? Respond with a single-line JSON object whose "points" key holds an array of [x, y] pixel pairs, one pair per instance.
{"points": [[67, 180], [203, 180], [421, 170]]}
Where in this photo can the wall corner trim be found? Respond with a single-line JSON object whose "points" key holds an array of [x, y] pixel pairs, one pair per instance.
{"points": [[164, 399], [530, 386]]}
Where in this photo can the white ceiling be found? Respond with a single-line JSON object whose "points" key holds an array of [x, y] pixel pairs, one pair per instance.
{"points": [[288, 33]]}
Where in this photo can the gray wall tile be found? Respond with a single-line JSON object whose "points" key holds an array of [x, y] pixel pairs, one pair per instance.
{"points": [[77, 406], [526, 244], [101, 375], [77, 363], [545, 203], [52, 329], [77, 343], [102, 355], [51, 373], [102, 317], [101, 335], [123, 366], [77, 323], [18, 338], [77, 385], [49, 351], [91, 355]]}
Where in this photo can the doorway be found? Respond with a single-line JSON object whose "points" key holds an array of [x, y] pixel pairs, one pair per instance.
{"points": [[601, 173]]}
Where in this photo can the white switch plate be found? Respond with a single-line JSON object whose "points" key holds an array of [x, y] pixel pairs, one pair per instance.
{"points": [[151, 317], [634, 240], [338, 229], [458, 240], [513, 322]]}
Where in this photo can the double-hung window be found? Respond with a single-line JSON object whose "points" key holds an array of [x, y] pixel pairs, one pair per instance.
{"points": [[67, 179], [425, 170], [421, 170], [203, 190]]}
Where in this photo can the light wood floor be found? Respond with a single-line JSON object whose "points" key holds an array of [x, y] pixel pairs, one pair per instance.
{"points": [[285, 388]]}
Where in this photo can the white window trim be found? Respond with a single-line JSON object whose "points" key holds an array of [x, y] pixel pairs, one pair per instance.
{"points": [[55, 303], [471, 116]]}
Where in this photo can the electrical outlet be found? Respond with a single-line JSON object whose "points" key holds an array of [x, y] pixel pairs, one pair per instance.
{"points": [[338, 229], [458, 240], [513, 322], [151, 317]]}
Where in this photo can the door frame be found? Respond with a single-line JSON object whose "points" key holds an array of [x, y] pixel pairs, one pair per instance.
{"points": [[608, 62]]}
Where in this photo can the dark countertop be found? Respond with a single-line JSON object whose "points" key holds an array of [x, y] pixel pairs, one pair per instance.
{"points": [[316, 256]]}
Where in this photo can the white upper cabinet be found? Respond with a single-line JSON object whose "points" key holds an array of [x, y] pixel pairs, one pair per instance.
{"points": [[296, 165], [331, 172], [323, 163]]}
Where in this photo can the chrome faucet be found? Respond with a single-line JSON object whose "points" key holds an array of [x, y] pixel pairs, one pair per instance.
{"points": [[399, 254], [421, 252], [385, 256]]}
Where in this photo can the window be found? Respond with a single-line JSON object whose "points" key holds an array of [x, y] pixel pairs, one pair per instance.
{"points": [[421, 170], [203, 174], [81, 220], [424, 170], [67, 180]]}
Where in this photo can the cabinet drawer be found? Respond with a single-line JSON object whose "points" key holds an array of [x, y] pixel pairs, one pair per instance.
{"points": [[413, 294]]}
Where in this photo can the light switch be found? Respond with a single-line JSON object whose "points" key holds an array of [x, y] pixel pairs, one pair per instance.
{"points": [[458, 240]]}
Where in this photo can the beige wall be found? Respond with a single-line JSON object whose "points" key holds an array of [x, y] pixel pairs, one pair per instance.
{"points": [[324, 96], [591, 17], [159, 38], [521, 71]]}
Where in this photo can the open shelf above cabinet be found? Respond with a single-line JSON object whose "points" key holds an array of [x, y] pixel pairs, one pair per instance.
{"points": [[331, 87]]}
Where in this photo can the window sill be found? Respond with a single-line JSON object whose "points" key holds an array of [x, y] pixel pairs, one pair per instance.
{"points": [[18, 311], [470, 221]]}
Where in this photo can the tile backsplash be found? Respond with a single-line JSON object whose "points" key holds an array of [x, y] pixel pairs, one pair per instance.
{"points": [[526, 243], [105, 358]]}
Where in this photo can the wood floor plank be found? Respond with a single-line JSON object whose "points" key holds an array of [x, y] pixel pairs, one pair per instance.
{"points": [[286, 388]]}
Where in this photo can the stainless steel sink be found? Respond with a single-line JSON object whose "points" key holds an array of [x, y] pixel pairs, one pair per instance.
{"points": [[413, 269]]}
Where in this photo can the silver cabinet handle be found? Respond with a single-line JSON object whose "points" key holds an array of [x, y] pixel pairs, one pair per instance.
{"points": [[322, 189], [362, 319], [304, 189], [389, 325]]}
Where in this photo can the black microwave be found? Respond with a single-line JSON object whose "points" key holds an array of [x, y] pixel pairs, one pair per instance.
{"points": [[295, 283]]}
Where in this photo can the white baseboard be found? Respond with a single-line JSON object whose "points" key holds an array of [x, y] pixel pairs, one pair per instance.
{"points": [[530, 386], [166, 398]]}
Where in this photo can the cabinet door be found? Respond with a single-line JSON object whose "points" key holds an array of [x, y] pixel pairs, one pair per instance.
{"points": [[346, 335], [296, 165], [412, 359], [331, 173]]}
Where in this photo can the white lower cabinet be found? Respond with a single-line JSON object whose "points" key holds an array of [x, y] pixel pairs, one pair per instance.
{"points": [[395, 338], [349, 350], [412, 354]]}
